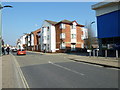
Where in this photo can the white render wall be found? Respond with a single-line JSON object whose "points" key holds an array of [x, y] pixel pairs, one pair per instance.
{"points": [[28, 40], [22, 41], [52, 37], [73, 31], [32, 40], [85, 33]]}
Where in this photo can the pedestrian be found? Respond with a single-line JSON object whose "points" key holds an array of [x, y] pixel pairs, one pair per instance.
{"points": [[8, 50], [3, 50]]}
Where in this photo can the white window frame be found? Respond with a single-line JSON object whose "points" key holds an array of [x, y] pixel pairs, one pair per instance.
{"points": [[62, 26], [62, 36], [63, 45], [45, 37], [73, 36], [48, 37], [73, 26], [73, 47]]}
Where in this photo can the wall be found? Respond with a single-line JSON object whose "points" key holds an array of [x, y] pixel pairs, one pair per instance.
{"points": [[108, 25], [52, 37]]}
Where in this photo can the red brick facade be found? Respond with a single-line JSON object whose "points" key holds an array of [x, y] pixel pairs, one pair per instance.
{"points": [[67, 39], [36, 40]]}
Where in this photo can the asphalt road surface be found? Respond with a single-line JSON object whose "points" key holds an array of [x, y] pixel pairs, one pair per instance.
{"points": [[57, 71]]}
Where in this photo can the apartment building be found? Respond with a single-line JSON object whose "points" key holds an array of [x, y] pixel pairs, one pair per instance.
{"points": [[27, 42], [21, 42], [62, 36], [48, 36], [35, 40], [69, 36]]}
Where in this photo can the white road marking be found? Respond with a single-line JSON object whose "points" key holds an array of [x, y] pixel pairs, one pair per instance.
{"points": [[21, 74], [65, 68]]}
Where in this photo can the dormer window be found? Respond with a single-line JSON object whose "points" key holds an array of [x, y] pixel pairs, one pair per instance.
{"points": [[62, 26]]}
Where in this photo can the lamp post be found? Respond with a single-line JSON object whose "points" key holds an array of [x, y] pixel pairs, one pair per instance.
{"points": [[90, 36], [1, 7]]}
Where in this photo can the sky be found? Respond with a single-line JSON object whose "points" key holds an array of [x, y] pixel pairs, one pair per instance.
{"points": [[26, 17]]}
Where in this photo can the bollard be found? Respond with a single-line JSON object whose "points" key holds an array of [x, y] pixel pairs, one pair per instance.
{"points": [[90, 54], [93, 53], [97, 53], [105, 53], [116, 54]]}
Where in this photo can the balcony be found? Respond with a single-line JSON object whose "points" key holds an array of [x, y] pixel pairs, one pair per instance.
{"points": [[62, 36], [73, 38]]}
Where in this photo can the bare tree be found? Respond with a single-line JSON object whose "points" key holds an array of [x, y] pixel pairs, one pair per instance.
{"points": [[89, 40]]}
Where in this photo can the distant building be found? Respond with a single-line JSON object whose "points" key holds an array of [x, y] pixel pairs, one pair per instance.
{"points": [[35, 40], [32, 40], [53, 36], [62, 36], [27, 42], [108, 24], [21, 42]]}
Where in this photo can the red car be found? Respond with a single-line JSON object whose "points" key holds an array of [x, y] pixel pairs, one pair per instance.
{"points": [[21, 52]]}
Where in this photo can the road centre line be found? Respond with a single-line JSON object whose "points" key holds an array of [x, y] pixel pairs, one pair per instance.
{"points": [[66, 68], [26, 86]]}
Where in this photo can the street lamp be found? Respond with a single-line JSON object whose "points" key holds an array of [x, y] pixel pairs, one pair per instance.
{"points": [[89, 37], [1, 7]]}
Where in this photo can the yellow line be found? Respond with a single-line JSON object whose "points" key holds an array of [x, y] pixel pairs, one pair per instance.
{"points": [[21, 74]]}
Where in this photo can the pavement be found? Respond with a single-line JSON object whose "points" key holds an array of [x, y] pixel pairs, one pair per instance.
{"points": [[102, 61], [10, 74]]}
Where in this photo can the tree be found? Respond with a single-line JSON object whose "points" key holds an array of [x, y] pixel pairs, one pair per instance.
{"points": [[89, 40]]}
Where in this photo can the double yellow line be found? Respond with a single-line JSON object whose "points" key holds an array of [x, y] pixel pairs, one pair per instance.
{"points": [[25, 84]]}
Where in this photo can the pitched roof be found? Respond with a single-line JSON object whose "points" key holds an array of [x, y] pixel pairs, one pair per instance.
{"points": [[66, 21], [69, 22], [51, 22], [38, 30], [63, 21]]}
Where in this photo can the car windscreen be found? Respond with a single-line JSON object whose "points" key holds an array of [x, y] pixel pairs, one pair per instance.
{"points": [[21, 50]]}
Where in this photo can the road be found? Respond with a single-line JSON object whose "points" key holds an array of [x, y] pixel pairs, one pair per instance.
{"points": [[57, 71]]}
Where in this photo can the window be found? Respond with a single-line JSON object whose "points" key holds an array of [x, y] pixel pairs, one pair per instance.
{"points": [[72, 47], [62, 36], [47, 37], [42, 29], [48, 47], [48, 28], [63, 45], [73, 36], [62, 26]]}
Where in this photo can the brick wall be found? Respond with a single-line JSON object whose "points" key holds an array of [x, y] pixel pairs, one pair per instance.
{"points": [[36, 40], [67, 39]]}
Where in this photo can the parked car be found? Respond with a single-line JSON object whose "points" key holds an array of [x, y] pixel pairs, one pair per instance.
{"points": [[14, 50], [21, 52]]}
